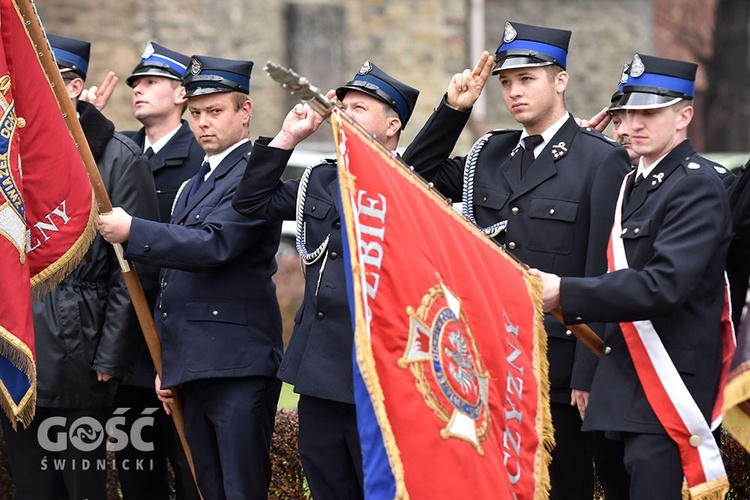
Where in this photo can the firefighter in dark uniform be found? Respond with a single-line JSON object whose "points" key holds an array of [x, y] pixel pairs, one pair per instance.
{"points": [[318, 360], [166, 139], [217, 311], [652, 401], [174, 156], [545, 193]]}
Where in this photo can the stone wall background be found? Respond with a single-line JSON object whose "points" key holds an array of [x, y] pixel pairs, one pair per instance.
{"points": [[422, 42]]}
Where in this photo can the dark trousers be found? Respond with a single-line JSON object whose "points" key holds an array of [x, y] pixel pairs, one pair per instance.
{"points": [[67, 460], [329, 448], [635, 466], [572, 466], [229, 425], [143, 473]]}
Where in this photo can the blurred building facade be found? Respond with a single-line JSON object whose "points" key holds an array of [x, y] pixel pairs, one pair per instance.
{"points": [[423, 42]]}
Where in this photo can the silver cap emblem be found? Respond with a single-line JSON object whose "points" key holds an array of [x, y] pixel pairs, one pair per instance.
{"points": [[510, 33], [637, 67], [195, 66], [366, 68], [148, 51]]}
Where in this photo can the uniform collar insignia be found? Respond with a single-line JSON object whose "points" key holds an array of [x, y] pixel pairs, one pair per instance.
{"points": [[515, 150], [559, 150]]}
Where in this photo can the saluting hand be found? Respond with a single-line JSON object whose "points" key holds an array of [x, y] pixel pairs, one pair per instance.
{"points": [[598, 122], [99, 96], [465, 88]]}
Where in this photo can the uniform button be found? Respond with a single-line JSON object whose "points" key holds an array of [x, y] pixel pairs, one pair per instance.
{"points": [[163, 285], [337, 225], [625, 230], [163, 315], [695, 440], [320, 315], [197, 216], [146, 248], [636, 231], [334, 255], [578, 318], [568, 333], [607, 351], [312, 208], [512, 245], [552, 211], [514, 210], [484, 198], [214, 313]]}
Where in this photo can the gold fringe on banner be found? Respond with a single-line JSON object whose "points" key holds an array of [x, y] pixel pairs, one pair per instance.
{"points": [[52, 275], [22, 358]]}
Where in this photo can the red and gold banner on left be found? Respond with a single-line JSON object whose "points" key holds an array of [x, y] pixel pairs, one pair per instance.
{"points": [[46, 205]]}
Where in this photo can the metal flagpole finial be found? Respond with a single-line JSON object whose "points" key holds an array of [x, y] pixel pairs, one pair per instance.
{"points": [[299, 87]]}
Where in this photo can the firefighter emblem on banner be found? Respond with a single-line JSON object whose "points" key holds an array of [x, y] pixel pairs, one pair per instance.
{"points": [[447, 366]]}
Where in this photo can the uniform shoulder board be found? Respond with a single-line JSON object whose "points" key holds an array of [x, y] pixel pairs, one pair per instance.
{"points": [[595, 133], [499, 131]]}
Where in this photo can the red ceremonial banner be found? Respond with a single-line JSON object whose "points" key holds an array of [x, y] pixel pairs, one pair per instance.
{"points": [[46, 206], [451, 379]]}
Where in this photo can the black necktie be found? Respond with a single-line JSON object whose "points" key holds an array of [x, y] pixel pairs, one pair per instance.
{"points": [[529, 143], [199, 178], [149, 152], [632, 185]]}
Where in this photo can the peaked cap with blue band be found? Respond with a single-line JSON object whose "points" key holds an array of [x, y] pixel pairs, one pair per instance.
{"points": [[377, 83], [209, 75], [525, 46], [655, 82], [157, 60], [71, 54]]}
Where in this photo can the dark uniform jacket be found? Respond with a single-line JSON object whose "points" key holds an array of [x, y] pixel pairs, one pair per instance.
{"points": [[318, 359], [559, 215], [676, 232], [217, 312], [176, 162], [87, 323]]}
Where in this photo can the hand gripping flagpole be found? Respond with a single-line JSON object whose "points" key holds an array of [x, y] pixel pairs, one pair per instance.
{"points": [[143, 311], [301, 88]]}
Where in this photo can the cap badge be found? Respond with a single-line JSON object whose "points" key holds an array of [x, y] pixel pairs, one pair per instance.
{"points": [[148, 51], [366, 68], [624, 76], [195, 66], [637, 67], [510, 33]]}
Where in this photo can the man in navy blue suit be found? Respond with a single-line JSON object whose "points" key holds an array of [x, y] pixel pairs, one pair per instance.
{"points": [[174, 156], [654, 389], [217, 312], [318, 360]]}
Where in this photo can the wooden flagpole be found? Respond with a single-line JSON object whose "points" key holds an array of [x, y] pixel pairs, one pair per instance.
{"points": [[35, 30]]}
